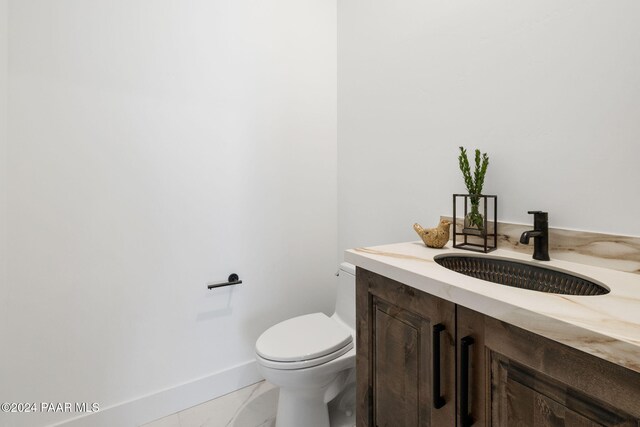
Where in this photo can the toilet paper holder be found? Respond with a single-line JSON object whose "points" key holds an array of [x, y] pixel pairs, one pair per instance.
{"points": [[233, 279]]}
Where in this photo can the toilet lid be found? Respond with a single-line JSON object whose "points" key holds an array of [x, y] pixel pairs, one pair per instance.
{"points": [[302, 338]]}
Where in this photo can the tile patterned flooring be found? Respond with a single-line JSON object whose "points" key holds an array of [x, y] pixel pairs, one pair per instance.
{"points": [[253, 406]]}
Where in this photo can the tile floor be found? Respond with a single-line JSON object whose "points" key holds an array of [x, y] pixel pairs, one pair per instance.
{"points": [[253, 406]]}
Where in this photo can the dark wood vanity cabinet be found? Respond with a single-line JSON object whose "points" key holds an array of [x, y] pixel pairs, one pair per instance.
{"points": [[423, 361], [395, 331]]}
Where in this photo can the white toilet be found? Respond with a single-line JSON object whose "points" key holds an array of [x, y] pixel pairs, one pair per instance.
{"points": [[312, 358]]}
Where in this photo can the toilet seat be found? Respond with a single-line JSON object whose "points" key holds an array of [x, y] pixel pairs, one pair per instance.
{"points": [[303, 342], [302, 364]]}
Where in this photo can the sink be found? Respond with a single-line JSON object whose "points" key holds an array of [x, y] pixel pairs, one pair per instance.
{"points": [[522, 275]]}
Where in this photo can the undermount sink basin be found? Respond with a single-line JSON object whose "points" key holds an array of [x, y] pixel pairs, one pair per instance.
{"points": [[521, 275]]}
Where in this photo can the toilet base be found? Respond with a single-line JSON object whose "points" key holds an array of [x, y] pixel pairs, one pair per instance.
{"points": [[302, 408], [309, 407]]}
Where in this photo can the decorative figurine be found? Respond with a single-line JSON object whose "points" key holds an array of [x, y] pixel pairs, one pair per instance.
{"points": [[434, 237]]}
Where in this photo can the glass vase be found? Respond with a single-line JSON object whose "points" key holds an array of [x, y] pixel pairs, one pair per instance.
{"points": [[474, 221]]}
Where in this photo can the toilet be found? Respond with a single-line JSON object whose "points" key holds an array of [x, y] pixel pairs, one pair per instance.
{"points": [[311, 358]]}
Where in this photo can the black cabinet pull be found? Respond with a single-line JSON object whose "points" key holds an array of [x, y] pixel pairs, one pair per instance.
{"points": [[438, 399], [465, 417]]}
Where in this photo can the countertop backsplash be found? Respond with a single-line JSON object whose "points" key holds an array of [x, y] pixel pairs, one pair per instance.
{"points": [[620, 253]]}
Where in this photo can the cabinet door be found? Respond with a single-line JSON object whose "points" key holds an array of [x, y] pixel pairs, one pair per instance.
{"points": [[404, 379], [535, 381]]}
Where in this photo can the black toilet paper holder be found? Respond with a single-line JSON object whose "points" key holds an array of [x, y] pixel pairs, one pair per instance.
{"points": [[233, 279]]}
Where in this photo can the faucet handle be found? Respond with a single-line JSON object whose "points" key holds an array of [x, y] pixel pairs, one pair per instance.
{"points": [[540, 219]]}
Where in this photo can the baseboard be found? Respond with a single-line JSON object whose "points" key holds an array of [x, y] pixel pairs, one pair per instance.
{"points": [[166, 402]]}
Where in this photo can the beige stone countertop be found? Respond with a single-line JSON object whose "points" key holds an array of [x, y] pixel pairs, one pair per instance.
{"points": [[606, 326]]}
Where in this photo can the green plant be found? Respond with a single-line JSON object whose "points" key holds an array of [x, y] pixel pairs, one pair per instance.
{"points": [[474, 183]]}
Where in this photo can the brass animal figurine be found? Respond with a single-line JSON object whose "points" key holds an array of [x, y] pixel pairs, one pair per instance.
{"points": [[434, 237]]}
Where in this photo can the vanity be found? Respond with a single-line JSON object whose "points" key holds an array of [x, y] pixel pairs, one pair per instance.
{"points": [[439, 348]]}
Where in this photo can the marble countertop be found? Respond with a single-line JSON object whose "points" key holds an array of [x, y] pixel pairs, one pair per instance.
{"points": [[606, 326]]}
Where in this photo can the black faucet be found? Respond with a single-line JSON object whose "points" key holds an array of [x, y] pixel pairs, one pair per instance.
{"points": [[540, 234]]}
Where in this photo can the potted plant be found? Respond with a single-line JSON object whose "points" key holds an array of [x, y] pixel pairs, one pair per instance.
{"points": [[474, 220]]}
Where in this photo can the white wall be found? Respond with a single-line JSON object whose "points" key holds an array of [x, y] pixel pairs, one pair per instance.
{"points": [[4, 323], [550, 89], [156, 146]]}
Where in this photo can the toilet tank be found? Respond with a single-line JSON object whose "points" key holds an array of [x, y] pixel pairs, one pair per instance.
{"points": [[346, 295]]}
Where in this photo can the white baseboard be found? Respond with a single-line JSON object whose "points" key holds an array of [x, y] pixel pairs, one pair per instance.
{"points": [[169, 401]]}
